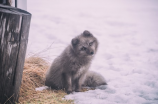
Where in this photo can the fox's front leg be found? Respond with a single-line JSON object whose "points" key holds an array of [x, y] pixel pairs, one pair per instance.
{"points": [[76, 85], [67, 79], [79, 83]]}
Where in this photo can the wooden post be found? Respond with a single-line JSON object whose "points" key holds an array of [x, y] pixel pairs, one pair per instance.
{"points": [[6, 2], [14, 30]]}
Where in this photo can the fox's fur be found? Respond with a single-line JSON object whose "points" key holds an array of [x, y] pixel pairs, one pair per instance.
{"points": [[94, 79], [68, 71]]}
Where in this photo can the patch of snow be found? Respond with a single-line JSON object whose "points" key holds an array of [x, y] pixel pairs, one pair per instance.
{"points": [[41, 88]]}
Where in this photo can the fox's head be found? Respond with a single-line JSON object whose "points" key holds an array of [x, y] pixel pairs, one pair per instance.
{"points": [[85, 44]]}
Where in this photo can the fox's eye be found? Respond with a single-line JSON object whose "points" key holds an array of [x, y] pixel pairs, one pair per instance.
{"points": [[83, 48], [90, 44]]}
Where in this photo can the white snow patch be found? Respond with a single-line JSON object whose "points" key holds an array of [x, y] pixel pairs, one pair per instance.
{"points": [[41, 88]]}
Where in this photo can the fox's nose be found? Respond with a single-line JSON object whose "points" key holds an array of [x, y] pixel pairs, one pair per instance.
{"points": [[92, 53]]}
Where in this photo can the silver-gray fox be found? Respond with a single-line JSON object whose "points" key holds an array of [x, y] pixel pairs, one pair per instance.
{"points": [[68, 71]]}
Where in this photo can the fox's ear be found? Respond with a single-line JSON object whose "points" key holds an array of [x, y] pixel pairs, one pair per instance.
{"points": [[87, 33], [74, 41]]}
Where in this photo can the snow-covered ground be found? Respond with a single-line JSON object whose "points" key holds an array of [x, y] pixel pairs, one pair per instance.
{"points": [[127, 31]]}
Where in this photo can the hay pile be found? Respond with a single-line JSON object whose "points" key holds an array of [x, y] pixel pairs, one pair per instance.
{"points": [[33, 77]]}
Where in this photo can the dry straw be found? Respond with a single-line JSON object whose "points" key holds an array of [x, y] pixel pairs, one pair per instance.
{"points": [[33, 77]]}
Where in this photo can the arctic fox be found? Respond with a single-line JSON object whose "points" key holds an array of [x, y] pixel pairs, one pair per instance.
{"points": [[68, 71]]}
